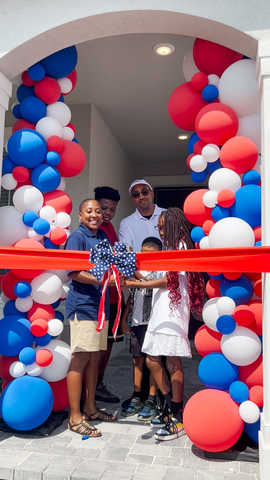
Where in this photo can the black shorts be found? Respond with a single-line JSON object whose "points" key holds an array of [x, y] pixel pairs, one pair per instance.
{"points": [[113, 312], [137, 335]]}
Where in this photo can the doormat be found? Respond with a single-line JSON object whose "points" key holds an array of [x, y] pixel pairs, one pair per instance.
{"points": [[53, 421], [244, 450]]}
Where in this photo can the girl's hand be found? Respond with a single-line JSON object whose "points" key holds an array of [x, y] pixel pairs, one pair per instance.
{"points": [[124, 327]]}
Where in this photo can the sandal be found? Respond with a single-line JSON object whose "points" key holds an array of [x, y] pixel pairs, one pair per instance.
{"points": [[84, 428], [102, 416]]}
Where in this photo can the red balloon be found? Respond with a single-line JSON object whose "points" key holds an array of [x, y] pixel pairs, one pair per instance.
{"points": [[5, 384], [27, 243], [44, 357], [60, 395], [21, 174], [58, 236], [48, 90], [198, 147], [46, 312], [207, 225], [226, 198], [199, 81], [59, 200], [21, 124], [73, 77], [207, 341], [256, 307], [184, 105], [216, 123], [1, 278], [206, 424], [253, 276], [252, 374], [232, 275], [39, 327], [8, 283], [240, 154], [257, 233], [212, 288], [70, 125], [194, 208], [257, 287], [68, 167], [211, 57], [27, 80], [256, 395], [5, 363], [243, 315], [189, 158], [55, 143]]}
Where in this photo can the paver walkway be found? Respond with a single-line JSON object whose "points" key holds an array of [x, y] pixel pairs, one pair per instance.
{"points": [[127, 449]]}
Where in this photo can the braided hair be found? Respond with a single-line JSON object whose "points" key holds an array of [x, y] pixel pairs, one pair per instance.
{"points": [[176, 231]]}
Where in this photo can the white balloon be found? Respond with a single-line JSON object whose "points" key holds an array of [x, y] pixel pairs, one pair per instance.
{"points": [[46, 288], [224, 178], [241, 347], [24, 304], [55, 327], [4, 298], [210, 199], [210, 313], [213, 80], [211, 152], [204, 243], [67, 133], [34, 235], [49, 126], [62, 185], [48, 213], [62, 274], [60, 111], [17, 369], [63, 220], [12, 227], [198, 163], [28, 197], [65, 291], [52, 227], [65, 84], [231, 232], [225, 306], [249, 411], [8, 182], [58, 368], [189, 67], [34, 370], [238, 87], [250, 127]]}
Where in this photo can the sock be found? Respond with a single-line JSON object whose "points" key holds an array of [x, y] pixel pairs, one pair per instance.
{"points": [[137, 395], [168, 399], [152, 398], [100, 378], [177, 409]]}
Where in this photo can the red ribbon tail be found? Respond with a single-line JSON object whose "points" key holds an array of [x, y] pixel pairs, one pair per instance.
{"points": [[101, 311], [117, 318]]}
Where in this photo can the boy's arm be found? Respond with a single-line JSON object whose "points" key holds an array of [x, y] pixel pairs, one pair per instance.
{"points": [[139, 276], [124, 327], [156, 283]]}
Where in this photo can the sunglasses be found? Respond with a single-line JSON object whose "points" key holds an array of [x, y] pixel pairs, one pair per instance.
{"points": [[144, 192]]}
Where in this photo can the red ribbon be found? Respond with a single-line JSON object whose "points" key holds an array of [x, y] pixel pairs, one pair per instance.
{"points": [[101, 311]]}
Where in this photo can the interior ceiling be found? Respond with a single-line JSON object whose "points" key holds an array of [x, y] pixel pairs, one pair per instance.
{"points": [[130, 86]]}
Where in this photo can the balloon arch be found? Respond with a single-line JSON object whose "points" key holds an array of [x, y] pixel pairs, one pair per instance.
{"points": [[220, 105]]}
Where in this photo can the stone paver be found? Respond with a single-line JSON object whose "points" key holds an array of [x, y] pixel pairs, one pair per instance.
{"points": [[127, 449]]}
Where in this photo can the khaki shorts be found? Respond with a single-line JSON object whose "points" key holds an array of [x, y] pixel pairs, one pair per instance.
{"points": [[84, 336]]}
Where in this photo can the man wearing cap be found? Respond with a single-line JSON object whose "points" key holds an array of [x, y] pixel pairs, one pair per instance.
{"points": [[141, 224]]}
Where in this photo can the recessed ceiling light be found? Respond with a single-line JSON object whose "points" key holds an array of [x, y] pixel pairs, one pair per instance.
{"points": [[164, 49], [183, 137]]}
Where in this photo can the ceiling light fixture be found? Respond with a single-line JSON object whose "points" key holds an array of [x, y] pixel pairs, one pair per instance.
{"points": [[164, 49], [183, 137]]}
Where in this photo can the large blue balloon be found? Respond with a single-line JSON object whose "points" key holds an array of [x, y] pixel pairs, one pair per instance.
{"points": [[23, 92], [45, 178], [215, 371], [247, 205], [26, 403], [10, 309], [60, 64], [27, 148], [8, 165], [33, 109], [239, 391], [14, 335], [240, 290], [218, 213]]}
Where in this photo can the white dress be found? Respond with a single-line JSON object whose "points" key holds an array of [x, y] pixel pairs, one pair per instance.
{"points": [[167, 332]]}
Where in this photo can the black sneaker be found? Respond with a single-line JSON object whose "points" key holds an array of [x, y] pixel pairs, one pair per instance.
{"points": [[104, 395], [162, 419]]}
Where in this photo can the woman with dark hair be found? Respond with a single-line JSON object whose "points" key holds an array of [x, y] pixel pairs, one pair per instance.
{"points": [[174, 295]]}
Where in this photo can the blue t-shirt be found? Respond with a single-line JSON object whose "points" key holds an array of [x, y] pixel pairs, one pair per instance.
{"points": [[82, 298]]}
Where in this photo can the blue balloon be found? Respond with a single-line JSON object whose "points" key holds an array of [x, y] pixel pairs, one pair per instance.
{"points": [[197, 234], [61, 99], [258, 244], [75, 140], [41, 226], [27, 148], [36, 72], [215, 371], [10, 309], [199, 177], [45, 178], [239, 391], [240, 290], [225, 324], [59, 315], [212, 167], [193, 139], [27, 356], [33, 109], [23, 92], [50, 245], [252, 430], [216, 277], [22, 289], [26, 403], [53, 158], [247, 205], [252, 177], [218, 213], [42, 341], [210, 93], [62, 63], [29, 217], [8, 165], [15, 334], [16, 111], [56, 304]]}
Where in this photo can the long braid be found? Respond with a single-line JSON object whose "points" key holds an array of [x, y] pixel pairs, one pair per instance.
{"points": [[176, 230]]}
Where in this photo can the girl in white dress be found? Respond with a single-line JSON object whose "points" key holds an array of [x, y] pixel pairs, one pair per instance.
{"points": [[167, 334]]}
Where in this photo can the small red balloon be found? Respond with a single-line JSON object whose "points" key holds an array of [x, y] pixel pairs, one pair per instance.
{"points": [[216, 123], [257, 233], [243, 315], [60, 395], [252, 374], [199, 81], [58, 236], [48, 90], [68, 167], [257, 287], [22, 124], [207, 225], [198, 147], [189, 158], [232, 275], [39, 327], [27, 80], [46, 312], [194, 208], [55, 144], [212, 288], [59, 200], [211, 57], [21, 174], [70, 125], [226, 198], [239, 154], [184, 105], [207, 341], [256, 307], [256, 395], [44, 357], [253, 276]]}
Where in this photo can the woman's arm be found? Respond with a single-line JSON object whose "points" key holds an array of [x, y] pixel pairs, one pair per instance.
{"points": [[85, 277], [124, 327], [156, 283]]}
